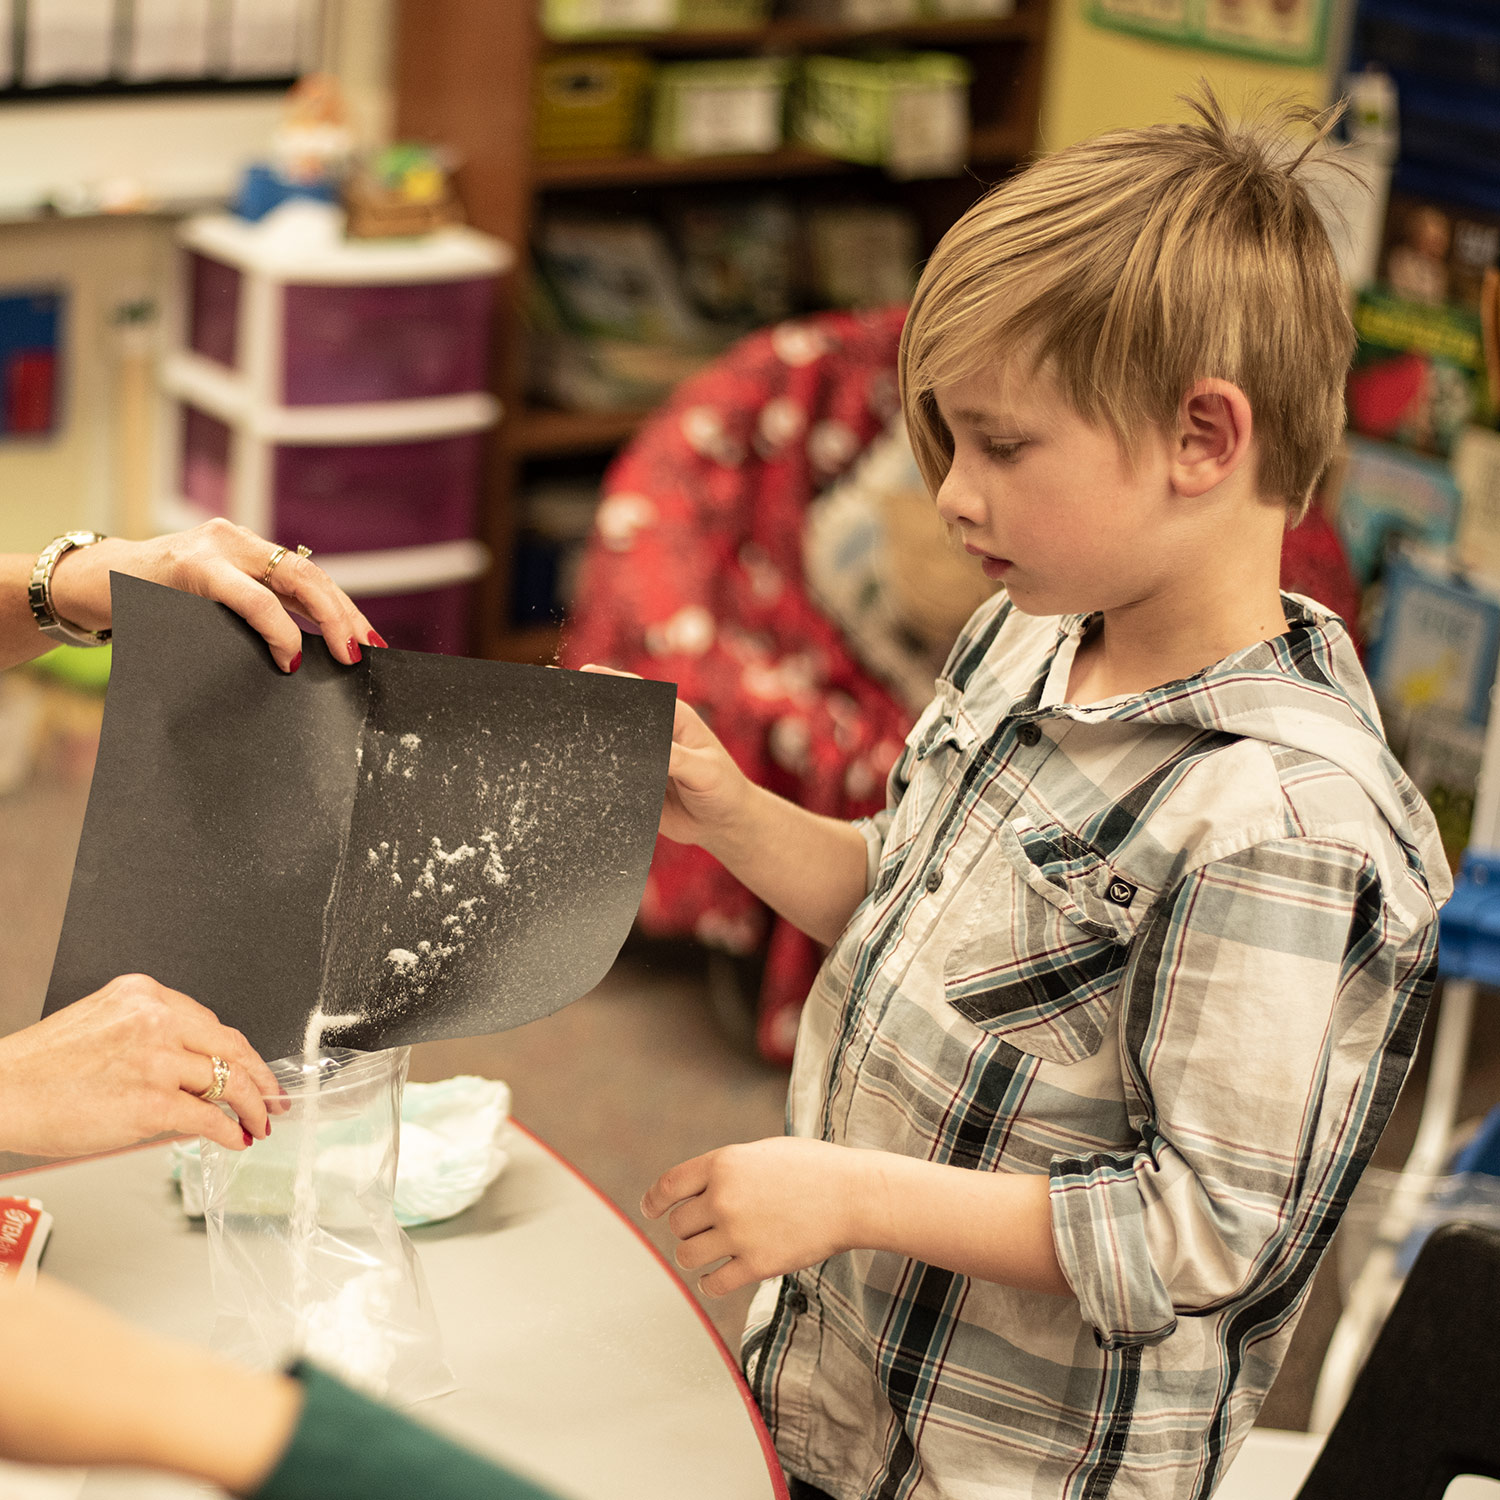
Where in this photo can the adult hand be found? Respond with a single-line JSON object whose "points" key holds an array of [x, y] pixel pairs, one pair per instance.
{"points": [[124, 1064], [80, 1386], [708, 796], [220, 561], [771, 1207]]}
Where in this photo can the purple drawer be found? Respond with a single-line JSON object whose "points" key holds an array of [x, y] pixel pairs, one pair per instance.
{"points": [[213, 309], [385, 343], [204, 470], [367, 497], [437, 620]]}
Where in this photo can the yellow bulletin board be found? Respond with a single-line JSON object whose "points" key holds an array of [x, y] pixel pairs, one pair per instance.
{"points": [[1289, 31]]}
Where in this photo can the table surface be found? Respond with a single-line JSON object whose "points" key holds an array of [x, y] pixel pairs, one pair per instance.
{"points": [[581, 1358]]}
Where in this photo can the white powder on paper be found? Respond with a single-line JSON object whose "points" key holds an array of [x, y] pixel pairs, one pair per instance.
{"points": [[494, 869]]}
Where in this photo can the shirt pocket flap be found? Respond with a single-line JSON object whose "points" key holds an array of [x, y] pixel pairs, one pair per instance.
{"points": [[1071, 876], [1042, 949], [942, 722]]}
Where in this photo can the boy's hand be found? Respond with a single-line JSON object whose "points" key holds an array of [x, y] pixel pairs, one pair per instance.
{"points": [[707, 794], [770, 1206]]}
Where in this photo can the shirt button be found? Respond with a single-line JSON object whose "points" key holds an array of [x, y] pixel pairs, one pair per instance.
{"points": [[934, 878], [1028, 733], [796, 1301]]}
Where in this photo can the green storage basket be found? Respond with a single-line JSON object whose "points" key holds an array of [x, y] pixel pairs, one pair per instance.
{"points": [[569, 20], [907, 112], [727, 108], [722, 15], [590, 104]]}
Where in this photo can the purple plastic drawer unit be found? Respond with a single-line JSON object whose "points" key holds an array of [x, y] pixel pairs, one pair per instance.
{"points": [[206, 458], [213, 309], [344, 344], [360, 498], [435, 620]]}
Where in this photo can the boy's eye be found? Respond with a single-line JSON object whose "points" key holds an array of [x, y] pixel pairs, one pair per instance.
{"points": [[1005, 453]]}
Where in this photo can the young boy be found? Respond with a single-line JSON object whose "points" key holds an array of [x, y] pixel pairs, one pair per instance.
{"points": [[1124, 981]]}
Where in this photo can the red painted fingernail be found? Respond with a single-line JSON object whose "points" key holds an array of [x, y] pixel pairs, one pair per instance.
{"points": [[268, 1127], [248, 1137], [354, 652], [296, 662], [375, 640]]}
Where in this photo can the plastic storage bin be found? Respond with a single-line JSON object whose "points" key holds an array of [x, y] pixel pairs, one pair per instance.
{"points": [[354, 321], [331, 394], [565, 19], [857, 12], [384, 343], [721, 15], [732, 107], [906, 112], [332, 496], [213, 309], [590, 104], [569, 19], [433, 620], [969, 10], [371, 478]]}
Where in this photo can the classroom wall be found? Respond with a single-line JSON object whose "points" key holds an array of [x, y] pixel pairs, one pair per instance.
{"points": [[67, 480], [1098, 79], [179, 147]]}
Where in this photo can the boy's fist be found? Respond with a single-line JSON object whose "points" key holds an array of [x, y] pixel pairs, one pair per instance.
{"points": [[707, 794], [771, 1207]]}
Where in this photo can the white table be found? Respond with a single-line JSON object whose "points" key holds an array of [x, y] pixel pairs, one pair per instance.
{"points": [[581, 1358]]}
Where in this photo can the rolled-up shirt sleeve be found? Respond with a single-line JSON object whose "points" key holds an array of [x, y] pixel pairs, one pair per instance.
{"points": [[1269, 1011]]}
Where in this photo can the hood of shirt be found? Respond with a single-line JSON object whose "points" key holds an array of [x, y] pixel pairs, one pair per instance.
{"points": [[1306, 690]]}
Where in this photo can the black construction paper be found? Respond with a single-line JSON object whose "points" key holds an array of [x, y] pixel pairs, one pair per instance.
{"points": [[443, 847]]}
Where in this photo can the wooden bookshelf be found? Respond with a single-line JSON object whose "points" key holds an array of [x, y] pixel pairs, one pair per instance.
{"points": [[536, 645], [543, 433], [463, 79], [812, 36]]}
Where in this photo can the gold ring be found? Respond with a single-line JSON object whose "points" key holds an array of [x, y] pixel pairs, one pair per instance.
{"points": [[215, 1090], [276, 556]]}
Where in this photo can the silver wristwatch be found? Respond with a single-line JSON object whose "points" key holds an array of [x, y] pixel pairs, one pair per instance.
{"points": [[39, 593]]}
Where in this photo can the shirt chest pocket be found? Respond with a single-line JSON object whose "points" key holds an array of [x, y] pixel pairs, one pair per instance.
{"points": [[1043, 943]]}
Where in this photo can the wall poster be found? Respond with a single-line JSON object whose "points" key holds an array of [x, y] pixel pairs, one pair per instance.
{"points": [[1289, 31]]}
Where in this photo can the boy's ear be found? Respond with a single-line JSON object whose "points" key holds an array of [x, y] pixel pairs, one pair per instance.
{"points": [[1214, 428]]}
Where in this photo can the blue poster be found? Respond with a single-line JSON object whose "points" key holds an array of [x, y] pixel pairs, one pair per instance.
{"points": [[30, 333]]}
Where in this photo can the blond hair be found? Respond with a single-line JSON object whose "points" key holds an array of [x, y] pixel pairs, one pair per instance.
{"points": [[1137, 263]]}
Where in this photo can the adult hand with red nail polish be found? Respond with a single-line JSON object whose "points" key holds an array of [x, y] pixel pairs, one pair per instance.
{"points": [[217, 560], [126, 1063]]}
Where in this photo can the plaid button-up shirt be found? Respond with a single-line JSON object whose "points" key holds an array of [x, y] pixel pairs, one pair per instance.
{"points": [[1172, 950]]}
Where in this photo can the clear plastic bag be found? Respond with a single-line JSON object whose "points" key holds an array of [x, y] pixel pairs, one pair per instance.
{"points": [[306, 1254]]}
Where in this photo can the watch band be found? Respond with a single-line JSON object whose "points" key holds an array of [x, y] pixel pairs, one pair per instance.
{"points": [[39, 592]]}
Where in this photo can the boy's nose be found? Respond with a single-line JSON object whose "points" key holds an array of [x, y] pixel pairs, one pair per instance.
{"points": [[956, 502]]}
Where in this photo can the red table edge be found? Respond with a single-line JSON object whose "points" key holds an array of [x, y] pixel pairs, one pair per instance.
{"points": [[768, 1449]]}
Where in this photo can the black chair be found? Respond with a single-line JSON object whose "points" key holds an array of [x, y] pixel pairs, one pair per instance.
{"points": [[1426, 1405]]}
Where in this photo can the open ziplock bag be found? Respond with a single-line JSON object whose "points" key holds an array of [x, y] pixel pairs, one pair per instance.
{"points": [[438, 846]]}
